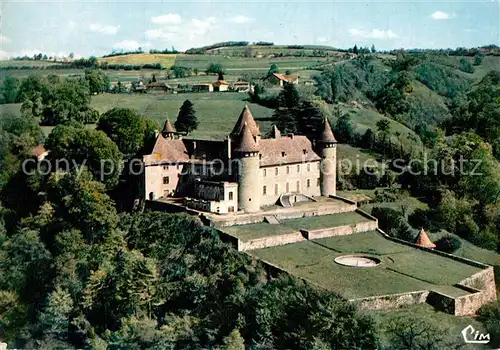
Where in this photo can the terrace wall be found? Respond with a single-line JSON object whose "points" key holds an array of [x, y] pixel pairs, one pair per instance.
{"points": [[271, 241], [391, 301], [482, 286], [341, 230]]}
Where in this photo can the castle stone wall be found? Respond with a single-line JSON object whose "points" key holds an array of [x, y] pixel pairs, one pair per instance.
{"points": [[391, 301]]}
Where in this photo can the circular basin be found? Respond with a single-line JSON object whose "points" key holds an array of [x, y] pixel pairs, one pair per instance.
{"points": [[357, 261]]}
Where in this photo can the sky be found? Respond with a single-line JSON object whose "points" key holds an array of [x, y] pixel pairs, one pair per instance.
{"points": [[94, 27]]}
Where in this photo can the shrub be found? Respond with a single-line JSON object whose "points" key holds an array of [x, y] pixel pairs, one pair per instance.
{"points": [[448, 244], [489, 315], [393, 223]]}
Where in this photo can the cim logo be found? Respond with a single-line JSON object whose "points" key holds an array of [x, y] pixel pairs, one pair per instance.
{"points": [[471, 336]]}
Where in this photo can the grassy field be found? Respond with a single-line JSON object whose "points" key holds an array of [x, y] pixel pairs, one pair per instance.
{"points": [[166, 60], [403, 269], [259, 230], [217, 112], [364, 119]]}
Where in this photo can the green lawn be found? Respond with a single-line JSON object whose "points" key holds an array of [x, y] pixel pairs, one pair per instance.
{"points": [[260, 230], [403, 268], [217, 112]]}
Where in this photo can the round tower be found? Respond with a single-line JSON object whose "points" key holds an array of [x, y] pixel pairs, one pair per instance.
{"points": [[247, 153], [328, 152]]}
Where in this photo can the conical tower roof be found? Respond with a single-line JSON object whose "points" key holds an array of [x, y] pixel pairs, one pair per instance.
{"points": [[169, 128], [423, 240], [276, 132], [246, 117], [246, 142], [327, 134]]}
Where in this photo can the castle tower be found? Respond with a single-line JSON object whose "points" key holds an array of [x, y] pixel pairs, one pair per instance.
{"points": [[169, 131], [328, 151], [246, 117], [247, 152]]}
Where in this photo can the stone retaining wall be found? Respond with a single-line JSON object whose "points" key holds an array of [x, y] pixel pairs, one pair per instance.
{"points": [[271, 241], [391, 300], [341, 230], [483, 283]]}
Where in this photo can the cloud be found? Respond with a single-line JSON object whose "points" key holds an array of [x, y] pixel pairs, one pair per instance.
{"points": [[373, 34], [127, 45], [4, 39], [322, 39], [240, 19], [104, 28], [188, 32], [169, 18], [441, 15], [71, 25]]}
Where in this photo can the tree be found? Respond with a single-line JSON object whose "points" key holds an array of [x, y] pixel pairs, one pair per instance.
{"points": [[129, 130], [448, 244], [97, 80], [289, 96], [214, 68], [465, 66], [373, 50], [80, 146], [9, 92], [80, 202], [234, 341], [55, 318], [272, 69], [186, 120], [355, 49], [343, 129], [478, 59], [383, 127], [153, 78]]}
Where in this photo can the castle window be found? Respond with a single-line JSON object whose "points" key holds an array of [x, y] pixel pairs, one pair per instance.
{"points": [[265, 172], [277, 171], [298, 168], [178, 166], [288, 170], [260, 156], [231, 195], [264, 190], [308, 167], [308, 183], [165, 167], [276, 189], [318, 182], [298, 186], [166, 180], [304, 151], [230, 209], [283, 154]]}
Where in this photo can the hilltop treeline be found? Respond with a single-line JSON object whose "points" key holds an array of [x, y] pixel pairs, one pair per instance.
{"points": [[201, 50]]}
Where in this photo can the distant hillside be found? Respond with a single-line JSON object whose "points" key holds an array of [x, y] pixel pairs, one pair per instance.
{"points": [[166, 60]]}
